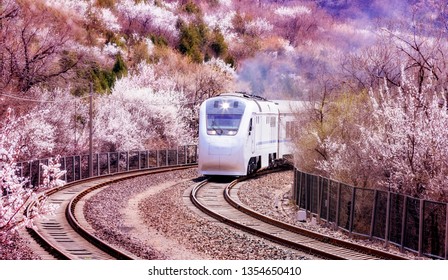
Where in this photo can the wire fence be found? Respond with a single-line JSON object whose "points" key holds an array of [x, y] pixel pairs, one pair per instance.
{"points": [[412, 224], [77, 167]]}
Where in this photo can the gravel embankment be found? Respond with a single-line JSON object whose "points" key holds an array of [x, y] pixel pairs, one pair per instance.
{"points": [[165, 218]]}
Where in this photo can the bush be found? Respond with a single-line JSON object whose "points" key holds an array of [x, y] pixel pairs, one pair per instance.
{"points": [[193, 38], [197, 42]]}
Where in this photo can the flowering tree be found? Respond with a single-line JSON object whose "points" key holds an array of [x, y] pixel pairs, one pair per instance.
{"points": [[402, 145], [144, 17], [222, 20], [32, 46], [55, 123], [296, 22], [143, 110], [14, 193]]}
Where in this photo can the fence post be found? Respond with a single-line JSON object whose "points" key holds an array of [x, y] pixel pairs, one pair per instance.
{"points": [[98, 164], [74, 168], [352, 211], [38, 172], [299, 187], [139, 161], [420, 228], [294, 184], [403, 222], [311, 183], [305, 192], [80, 167], [108, 163], [195, 153], [338, 204], [167, 155], [386, 234], [30, 176], [372, 221], [157, 157], [127, 161], [65, 168], [319, 197]]}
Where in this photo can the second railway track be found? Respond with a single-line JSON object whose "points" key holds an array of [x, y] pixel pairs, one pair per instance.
{"points": [[220, 201]]}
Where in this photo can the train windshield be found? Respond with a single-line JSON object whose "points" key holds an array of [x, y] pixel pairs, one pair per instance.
{"points": [[224, 116]]}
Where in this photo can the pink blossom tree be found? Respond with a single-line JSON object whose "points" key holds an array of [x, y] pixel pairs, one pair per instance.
{"points": [[32, 46], [15, 194], [402, 144], [145, 17], [143, 110]]}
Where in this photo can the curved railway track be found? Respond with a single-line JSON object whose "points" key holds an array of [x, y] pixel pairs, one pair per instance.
{"points": [[67, 235], [220, 201]]}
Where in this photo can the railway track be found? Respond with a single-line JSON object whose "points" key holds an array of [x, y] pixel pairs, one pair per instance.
{"points": [[67, 235], [220, 201]]}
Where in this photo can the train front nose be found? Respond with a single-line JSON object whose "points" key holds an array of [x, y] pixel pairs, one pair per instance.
{"points": [[220, 143], [221, 158]]}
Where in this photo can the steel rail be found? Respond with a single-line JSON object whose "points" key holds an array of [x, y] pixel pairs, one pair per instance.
{"points": [[314, 243], [65, 249], [324, 238]]}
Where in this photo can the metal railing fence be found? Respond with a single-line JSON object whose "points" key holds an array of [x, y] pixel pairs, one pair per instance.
{"points": [[77, 167], [413, 224]]}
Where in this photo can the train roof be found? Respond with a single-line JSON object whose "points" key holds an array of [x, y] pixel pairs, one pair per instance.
{"points": [[283, 105], [243, 95]]}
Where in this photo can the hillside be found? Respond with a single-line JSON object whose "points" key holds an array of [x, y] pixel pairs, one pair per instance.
{"points": [[149, 64]]}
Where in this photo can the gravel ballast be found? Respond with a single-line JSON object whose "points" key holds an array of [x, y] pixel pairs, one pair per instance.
{"points": [[162, 217]]}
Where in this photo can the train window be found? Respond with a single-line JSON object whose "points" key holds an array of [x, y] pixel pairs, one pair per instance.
{"points": [[273, 121], [223, 124], [224, 116], [291, 130]]}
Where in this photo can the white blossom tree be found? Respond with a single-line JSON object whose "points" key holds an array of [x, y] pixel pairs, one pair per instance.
{"points": [[14, 193], [143, 110], [403, 143], [145, 17]]}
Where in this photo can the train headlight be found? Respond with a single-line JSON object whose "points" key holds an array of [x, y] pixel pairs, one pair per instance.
{"points": [[231, 132], [211, 132], [225, 105]]}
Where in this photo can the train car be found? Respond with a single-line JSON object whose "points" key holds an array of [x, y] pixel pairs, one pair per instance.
{"points": [[240, 133]]}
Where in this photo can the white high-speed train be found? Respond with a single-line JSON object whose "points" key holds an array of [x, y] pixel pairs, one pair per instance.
{"points": [[240, 133]]}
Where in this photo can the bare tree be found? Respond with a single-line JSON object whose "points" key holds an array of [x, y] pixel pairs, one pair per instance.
{"points": [[33, 49]]}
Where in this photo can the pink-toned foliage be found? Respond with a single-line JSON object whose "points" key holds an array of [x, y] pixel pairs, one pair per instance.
{"points": [[402, 144], [143, 110], [16, 192], [56, 123], [146, 18], [32, 46]]}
